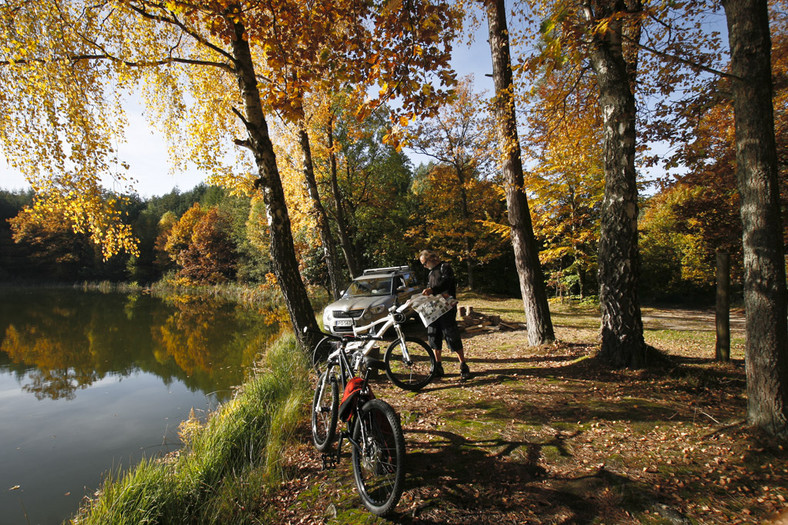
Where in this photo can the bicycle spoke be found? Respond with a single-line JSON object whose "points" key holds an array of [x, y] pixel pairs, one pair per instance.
{"points": [[410, 366]]}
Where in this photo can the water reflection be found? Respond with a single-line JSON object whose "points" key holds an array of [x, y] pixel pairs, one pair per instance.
{"points": [[91, 382], [60, 341]]}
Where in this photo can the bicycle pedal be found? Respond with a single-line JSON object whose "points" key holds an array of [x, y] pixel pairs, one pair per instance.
{"points": [[330, 461]]}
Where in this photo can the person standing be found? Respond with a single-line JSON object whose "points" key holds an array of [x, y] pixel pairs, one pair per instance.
{"points": [[441, 280]]}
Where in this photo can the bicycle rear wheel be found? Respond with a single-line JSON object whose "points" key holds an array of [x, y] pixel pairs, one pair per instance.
{"points": [[325, 406], [379, 458], [411, 371]]}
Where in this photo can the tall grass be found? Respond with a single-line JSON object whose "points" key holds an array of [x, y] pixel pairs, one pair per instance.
{"points": [[226, 463]]}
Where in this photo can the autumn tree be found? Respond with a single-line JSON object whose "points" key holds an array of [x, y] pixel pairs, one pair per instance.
{"points": [[439, 222], [180, 234], [51, 245], [459, 137], [567, 178], [53, 250], [537, 311], [697, 212], [603, 39], [162, 260], [210, 257]]}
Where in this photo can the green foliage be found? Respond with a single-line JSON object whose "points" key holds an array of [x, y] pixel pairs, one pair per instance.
{"points": [[374, 181], [12, 255]]}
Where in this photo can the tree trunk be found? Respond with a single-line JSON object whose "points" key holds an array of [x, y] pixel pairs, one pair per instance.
{"points": [[465, 214], [526, 255], [766, 355], [283, 256], [323, 227], [344, 237], [619, 262], [723, 347]]}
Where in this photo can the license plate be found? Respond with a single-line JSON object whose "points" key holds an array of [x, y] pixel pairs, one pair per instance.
{"points": [[343, 322]]}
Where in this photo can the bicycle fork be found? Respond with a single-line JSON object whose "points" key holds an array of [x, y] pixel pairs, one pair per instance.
{"points": [[405, 355]]}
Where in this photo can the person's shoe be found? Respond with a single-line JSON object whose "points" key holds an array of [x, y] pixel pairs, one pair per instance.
{"points": [[438, 370], [465, 372]]}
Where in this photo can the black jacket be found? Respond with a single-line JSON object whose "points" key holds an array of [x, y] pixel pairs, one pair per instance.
{"points": [[442, 280]]}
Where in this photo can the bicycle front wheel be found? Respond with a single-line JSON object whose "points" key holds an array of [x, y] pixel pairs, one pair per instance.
{"points": [[379, 457], [323, 349], [412, 366], [325, 406]]}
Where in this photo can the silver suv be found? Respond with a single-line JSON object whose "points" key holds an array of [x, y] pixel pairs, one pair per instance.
{"points": [[369, 296]]}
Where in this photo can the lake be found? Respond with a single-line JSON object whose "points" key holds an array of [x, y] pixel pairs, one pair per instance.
{"points": [[91, 382]]}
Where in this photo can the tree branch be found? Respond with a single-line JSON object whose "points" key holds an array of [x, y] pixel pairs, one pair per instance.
{"points": [[173, 20], [691, 64], [107, 56]]}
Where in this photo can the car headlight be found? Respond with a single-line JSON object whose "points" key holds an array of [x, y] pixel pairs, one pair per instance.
{"points": [[375, 310]]}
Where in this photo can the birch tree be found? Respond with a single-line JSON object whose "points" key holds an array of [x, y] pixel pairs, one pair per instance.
{"points": [[203, 68]]}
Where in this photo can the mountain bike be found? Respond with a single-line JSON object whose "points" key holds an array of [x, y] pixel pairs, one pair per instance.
{"points": [[410, 362], [373, 429]]}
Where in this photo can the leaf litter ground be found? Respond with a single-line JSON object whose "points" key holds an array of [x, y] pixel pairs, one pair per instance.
{"points": [[547, 435]]}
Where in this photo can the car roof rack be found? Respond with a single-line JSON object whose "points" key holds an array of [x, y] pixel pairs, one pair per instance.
{"points": [[390, 269]]}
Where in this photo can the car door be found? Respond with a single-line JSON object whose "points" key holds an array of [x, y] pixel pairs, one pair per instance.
{"points": [[406, 288]]}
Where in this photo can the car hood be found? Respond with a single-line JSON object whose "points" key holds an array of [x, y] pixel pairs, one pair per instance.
{"points": [[358, 303]]}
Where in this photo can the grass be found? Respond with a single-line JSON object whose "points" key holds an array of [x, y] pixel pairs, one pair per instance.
{"points": [[227, 462]]}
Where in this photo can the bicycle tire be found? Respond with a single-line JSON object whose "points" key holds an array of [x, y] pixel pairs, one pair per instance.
{"points": [[415, 373], [325, 406], [320, 354], [379, 458]]}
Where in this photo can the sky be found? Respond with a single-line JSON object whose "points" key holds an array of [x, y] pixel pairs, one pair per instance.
{"points": [[145, 149]]}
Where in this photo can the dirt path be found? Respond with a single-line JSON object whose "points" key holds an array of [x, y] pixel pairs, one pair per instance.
{"points": [[546, 435], [689, 319]]}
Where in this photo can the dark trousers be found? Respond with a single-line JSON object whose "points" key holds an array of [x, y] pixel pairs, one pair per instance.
{"points": [[445, 327]]}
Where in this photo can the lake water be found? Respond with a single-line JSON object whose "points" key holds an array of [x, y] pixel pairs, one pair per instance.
{"points": [[91, 382]]}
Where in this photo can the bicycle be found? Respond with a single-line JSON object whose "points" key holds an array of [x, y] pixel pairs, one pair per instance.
{"points": [[373, 429], [410, 362]]}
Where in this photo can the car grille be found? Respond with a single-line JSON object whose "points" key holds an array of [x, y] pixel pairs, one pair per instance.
{"points": [[350, 313]]}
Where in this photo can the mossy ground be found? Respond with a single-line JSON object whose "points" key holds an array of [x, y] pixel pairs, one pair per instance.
{"points": [[547, 435]]}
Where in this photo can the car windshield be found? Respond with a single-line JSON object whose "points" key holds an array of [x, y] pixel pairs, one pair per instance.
{"points": [[372, 286]]}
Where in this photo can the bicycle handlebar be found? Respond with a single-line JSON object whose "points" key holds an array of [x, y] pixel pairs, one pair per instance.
{"points": [[342, 337]]}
